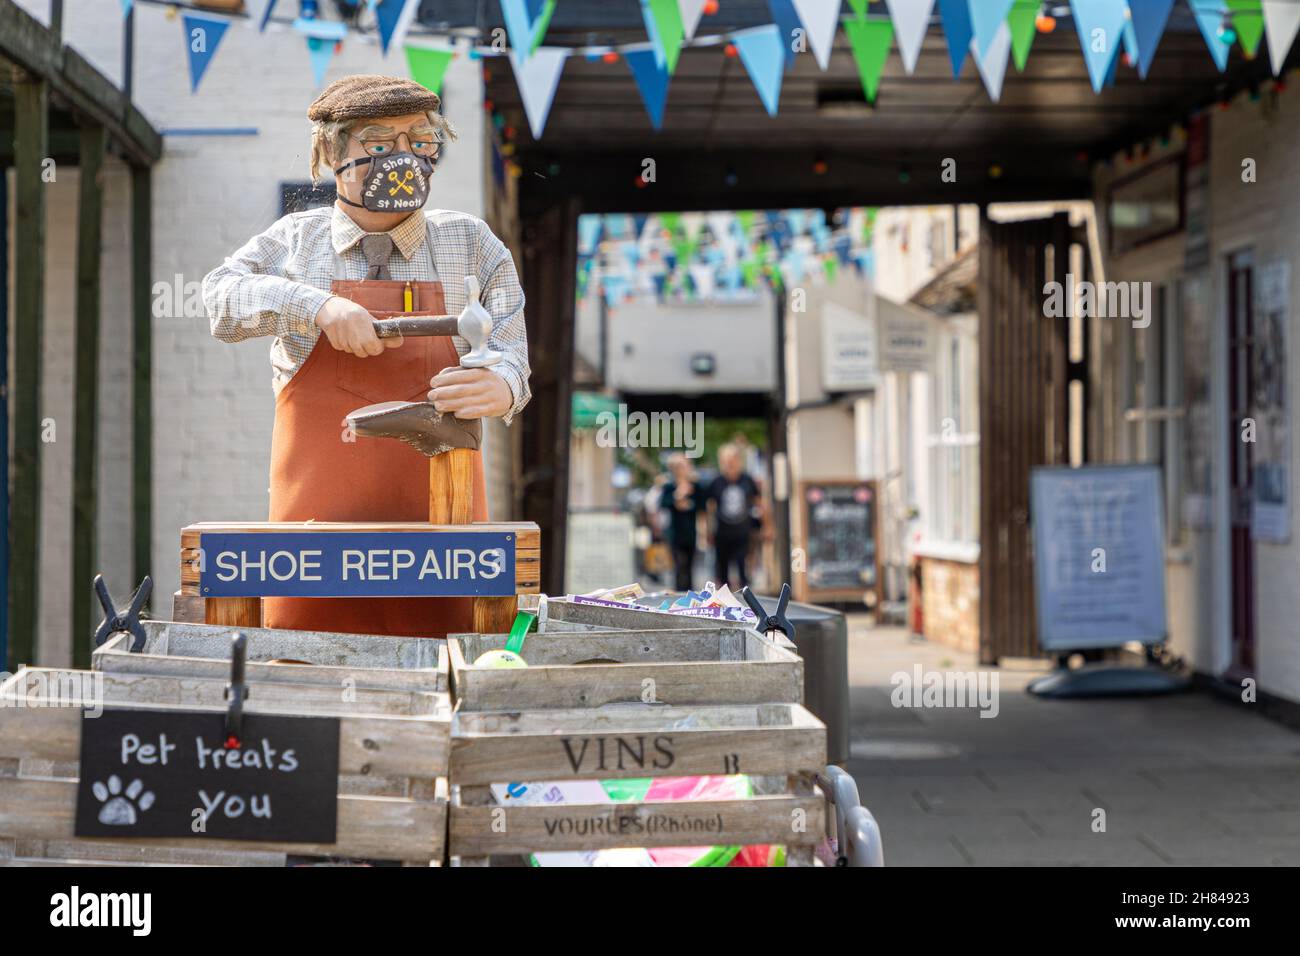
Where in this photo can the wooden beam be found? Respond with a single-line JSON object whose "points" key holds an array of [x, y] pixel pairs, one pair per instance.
{"points": [[31, 131], [85, 486], [141, 372], [28, 43]]}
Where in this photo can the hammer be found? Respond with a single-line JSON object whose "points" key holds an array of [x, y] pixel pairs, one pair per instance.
{"points": [[448, 442]]}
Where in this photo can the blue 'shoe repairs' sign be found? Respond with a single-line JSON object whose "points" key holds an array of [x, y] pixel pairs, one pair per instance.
{"points": [[357, 564]]}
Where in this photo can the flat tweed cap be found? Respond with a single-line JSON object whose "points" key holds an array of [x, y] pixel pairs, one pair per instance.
{"points": [[371, 95]]}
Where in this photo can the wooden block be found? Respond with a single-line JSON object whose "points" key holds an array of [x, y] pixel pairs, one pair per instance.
{"points": [[494, 615], [188, 607], [234, 611], [451, 487]]}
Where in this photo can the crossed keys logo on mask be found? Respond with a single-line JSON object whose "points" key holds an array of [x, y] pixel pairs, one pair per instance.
{"points": [[401, 183]]}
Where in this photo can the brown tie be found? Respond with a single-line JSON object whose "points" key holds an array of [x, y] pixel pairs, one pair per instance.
{"points": [[377, 247]]}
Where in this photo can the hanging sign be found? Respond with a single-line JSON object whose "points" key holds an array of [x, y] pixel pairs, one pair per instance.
{"points": [[357, 564], [154, 773]]}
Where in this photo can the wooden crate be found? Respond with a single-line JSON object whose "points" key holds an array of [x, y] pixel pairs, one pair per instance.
{"points": [[566, 614], [178, 649], [717, 665], [392, 786], [723, 701]]}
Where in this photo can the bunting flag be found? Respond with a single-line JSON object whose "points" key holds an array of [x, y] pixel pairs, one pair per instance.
{"points": [[957, 30], [1147, 22], [526, 24], [1021, 21], [260, 12], [537, 77], [911, 20], [870, 37], [761, 52], [663, 24], [1282, 18], [202, 37], [1209, 17], [126, 6], [651, 82], [393, 18], [322, 37], [690, 11], [859, 8], [1100, 25], [992, 63], [1248, 21], [986, 17], [787, 21], [820, 19], [428, 66]]}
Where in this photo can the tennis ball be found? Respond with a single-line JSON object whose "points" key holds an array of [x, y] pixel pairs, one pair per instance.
{"points": [[500, 658]]}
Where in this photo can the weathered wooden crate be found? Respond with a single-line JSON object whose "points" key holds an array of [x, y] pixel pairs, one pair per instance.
{"points": [[717, 665], [567, 614], [781, 744], [179, 649], [392, 786], [624, 704]]}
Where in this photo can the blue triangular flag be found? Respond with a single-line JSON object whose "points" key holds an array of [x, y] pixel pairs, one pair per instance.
{"points": [[126, 6], [1100, 25], [387, 15], [321, 53], [202, 36], [1148, 19], [651, 82], [986, 16], [638, 224], [957, 30], [1209, 17], [787, 21], [760, 51], [260, 12]]}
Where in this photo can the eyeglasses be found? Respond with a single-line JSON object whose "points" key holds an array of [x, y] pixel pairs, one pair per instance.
{"points": [[422, 144]]}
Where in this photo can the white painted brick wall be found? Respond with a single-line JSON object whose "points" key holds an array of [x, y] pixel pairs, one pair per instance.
{"points": [[213, 405]]}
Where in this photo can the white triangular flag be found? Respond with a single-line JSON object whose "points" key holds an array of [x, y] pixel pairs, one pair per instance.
{"points": [[1281, 20], [993, 64], [820, 18], [690, 10], [537, 79], [911, 20]]}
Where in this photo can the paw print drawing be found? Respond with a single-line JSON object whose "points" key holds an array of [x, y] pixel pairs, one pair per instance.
{"points": [[121, 809]]}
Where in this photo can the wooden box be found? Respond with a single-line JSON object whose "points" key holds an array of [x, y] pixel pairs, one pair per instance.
{"points": [[719, 665], [601, 705], [178, 649], [392, 787]]}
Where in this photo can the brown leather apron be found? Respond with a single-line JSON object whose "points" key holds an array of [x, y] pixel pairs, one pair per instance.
{"points": [[319, 472]]}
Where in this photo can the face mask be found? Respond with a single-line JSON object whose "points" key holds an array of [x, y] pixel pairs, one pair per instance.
{"points": [[398, 182]]}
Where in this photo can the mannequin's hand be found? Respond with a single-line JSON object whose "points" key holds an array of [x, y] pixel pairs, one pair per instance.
{"points": [[470, 393], [350, 328]]}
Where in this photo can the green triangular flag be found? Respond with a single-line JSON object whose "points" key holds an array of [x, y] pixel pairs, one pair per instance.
{"points": [[831, 267], [1248, 20], [671, 221], [746, 219], [859, 7], [668, 25], [870, 38], [540, 24], [427, 66], [1021, 21]]}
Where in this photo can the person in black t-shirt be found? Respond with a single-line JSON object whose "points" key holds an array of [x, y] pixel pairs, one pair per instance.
{"points": [[681, 501], [733, 496]]}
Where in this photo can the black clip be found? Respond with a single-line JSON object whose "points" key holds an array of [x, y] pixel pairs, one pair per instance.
{"points": [[236, 693], [767, 623], [127, 621]]}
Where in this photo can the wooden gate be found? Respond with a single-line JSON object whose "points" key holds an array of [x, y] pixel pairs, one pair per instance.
{"points": [[1024, 376]]}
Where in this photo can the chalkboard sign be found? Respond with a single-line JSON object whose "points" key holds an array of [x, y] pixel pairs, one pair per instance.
{"points": [[153, 773], [357, 564], [839, 531]]}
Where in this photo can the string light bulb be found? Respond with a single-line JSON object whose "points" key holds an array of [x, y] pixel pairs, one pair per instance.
{"points": [[1227, 35], [1044, 22]]}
